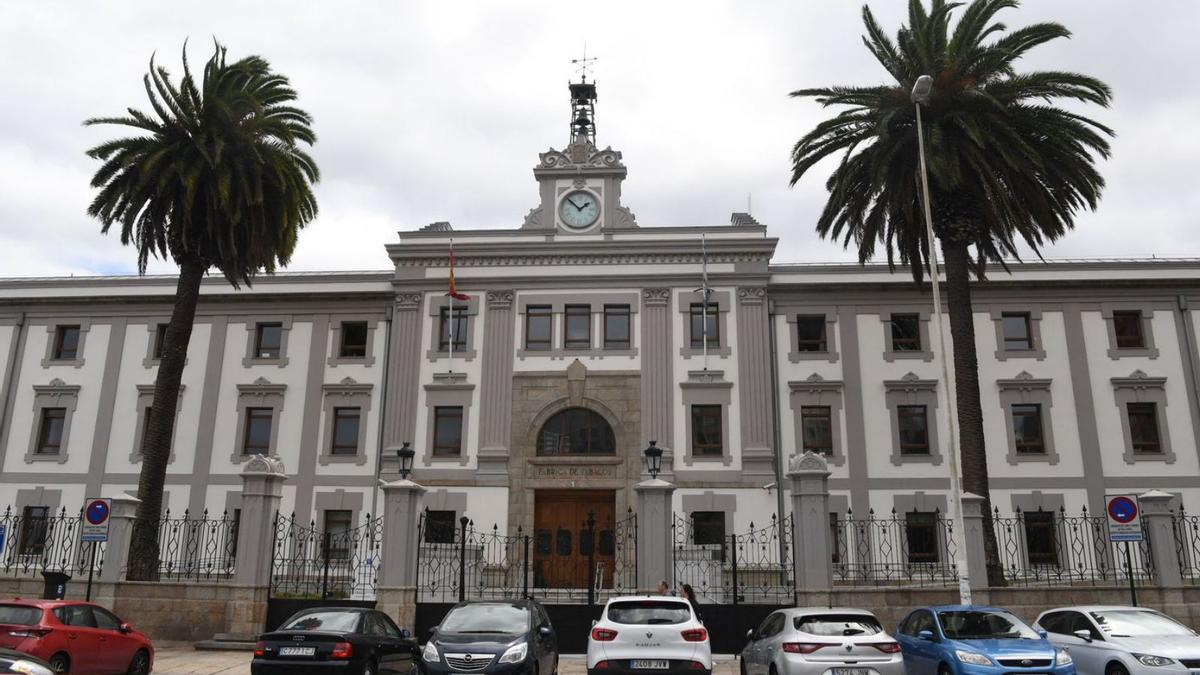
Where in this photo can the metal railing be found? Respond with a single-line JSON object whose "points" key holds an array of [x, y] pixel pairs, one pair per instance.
{"points": [[194, 548], [753, 567], [308, 563], [911, 549], [1052, 548], [1186, 528], [36, 541]]}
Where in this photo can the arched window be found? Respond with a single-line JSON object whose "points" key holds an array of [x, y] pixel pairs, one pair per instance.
{"points": [[576, 431]]}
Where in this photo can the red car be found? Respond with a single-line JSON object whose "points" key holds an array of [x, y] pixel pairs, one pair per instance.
{"points": [[74, 637]]}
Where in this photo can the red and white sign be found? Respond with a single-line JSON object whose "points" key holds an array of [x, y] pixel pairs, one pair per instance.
{"points": [[96, 514], [1124, 518]]}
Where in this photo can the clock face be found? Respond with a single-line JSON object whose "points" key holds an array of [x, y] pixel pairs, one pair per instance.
{"points": [[578, 209]]}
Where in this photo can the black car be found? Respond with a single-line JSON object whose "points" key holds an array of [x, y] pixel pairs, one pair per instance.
{"points": [[341, 639], [17, 662], [494, 638]]}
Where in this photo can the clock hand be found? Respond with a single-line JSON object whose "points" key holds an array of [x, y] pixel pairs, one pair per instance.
{"points": [[572, 203], [580, 208]]}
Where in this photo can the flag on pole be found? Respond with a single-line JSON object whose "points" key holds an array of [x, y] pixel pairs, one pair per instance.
{"points": [[453, 292]]}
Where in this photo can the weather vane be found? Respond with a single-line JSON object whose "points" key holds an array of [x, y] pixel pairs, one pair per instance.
{"points": [[583, 66]]}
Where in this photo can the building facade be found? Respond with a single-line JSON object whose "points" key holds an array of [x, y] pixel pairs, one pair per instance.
{"points": [[581, 338]]}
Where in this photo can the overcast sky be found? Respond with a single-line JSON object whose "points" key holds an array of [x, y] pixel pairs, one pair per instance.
{"points": [[437, 110]]}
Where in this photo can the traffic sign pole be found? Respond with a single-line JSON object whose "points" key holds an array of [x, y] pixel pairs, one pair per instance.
{"points": [[92, 568], [1129, 569]]}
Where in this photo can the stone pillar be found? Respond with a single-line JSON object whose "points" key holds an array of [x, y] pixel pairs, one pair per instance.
{"points": [[812, 559], [970, 542], [1159, 526], [397, 584], [658, 378], [120, 528], [403, 384], [496, 390], [755, 398], [655, 553], [262, 490]]}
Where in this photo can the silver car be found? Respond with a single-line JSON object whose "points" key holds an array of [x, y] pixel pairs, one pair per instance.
{"points": [[813, 641], [1123, 640]]}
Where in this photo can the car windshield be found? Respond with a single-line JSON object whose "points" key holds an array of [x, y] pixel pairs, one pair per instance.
{"points": [[18, 615], [337, 622], [837, 624], [984, 625], [649, 612], [487, 618], [1138, 623]]}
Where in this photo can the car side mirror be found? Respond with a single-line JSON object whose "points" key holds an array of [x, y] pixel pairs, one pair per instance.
{"points": [[432, 629], [926, 635], [1083, 634], [545, 631], [1042, 633], [405, 633], [125, 628]]}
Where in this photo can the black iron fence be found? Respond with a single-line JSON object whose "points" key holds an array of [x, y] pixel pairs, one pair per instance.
{"points": [[753, 567], [39, 539], [458, 561], [200, 547], [1052, 548], [331, 564], [910, 549], [1187, 545]]}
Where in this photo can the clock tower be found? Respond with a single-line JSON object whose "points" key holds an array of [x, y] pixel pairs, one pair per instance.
{"points": [[580, 186]]}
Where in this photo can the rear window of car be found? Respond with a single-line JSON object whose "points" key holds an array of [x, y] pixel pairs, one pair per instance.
{"points": [[19, 615], [338, 622], [838, 624], [649, 612]]}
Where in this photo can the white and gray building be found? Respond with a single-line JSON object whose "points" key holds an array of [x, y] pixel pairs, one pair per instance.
{"points": [[581, 342]]}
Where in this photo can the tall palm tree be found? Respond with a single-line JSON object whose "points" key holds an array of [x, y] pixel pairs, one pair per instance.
{"points": [[215, 177], [1006, 166]]}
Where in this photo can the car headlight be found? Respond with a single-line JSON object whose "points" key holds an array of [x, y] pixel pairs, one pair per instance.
{"points": [[1152, 660], [29, 668], [973, 658], [515, 653], [430, 654], [1062, 658]]}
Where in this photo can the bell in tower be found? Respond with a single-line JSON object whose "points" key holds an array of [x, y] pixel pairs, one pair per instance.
{"points": [[583, 111]]}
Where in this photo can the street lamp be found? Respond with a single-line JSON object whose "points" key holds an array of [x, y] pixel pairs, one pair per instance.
{"points": [[653, 457], [406, 454], [920, 95]]}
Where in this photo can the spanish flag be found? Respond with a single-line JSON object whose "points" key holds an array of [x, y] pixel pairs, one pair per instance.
{"points": [[453, 292]]}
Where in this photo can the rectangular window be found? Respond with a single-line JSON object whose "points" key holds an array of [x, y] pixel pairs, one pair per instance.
{"points": [[816, 423], [160, 339], [1018, 336], [456, 329], [906, 333], [268, 341], [913, 424], [35, 524], [50, 431], [616, 327], [66, 343], [708, 528], [354, 340], [1027, 429], [577, 326], [345, 431], [1041, 537], [439, 527], [1143, 427], [707, 440], [339, 524], [1127, 325], [921, 530], [810, 334], [539, 329], [704, 320], [257, 439], [447, 431]]}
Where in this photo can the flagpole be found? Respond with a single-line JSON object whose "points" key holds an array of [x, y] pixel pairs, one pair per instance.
{"points": [[450, 315]]}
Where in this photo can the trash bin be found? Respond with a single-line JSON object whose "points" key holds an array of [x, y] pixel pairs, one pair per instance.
{"points": [[56, 585]]}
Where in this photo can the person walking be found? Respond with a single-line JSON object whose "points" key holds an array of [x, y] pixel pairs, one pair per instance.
{"points": [[686, 591], [663, 588]]}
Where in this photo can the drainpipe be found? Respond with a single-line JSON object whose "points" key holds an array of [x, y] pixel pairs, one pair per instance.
{"points": [[775, 429], [383, 391], [10, 372], [1190, 335]]}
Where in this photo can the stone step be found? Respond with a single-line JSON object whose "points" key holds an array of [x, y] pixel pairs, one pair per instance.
{"points": [[228, 642]]}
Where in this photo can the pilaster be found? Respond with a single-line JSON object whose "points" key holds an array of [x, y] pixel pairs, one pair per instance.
{"points": [[400, 417], [496, 391], [754, 385], [658, 380]]}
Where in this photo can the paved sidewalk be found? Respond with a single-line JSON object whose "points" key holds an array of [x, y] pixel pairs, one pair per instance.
{"points": [[185, 660]]}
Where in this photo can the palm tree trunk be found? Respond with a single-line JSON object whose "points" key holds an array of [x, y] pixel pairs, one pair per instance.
{"points": [[156, 442], [972, 449]]}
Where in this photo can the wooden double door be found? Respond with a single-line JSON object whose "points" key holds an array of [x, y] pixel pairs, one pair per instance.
{"points": [[562, 542]]}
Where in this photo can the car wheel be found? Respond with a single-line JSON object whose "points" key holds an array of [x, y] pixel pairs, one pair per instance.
{"points": [[60, 663], [1116, 669], [140, 664], [944, 670], [742, 661]]}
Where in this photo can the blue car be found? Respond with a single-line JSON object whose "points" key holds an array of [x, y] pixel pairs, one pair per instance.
{"points": [[960, 640]]}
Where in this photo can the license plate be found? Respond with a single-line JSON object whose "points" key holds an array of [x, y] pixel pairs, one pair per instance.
{"points": [[649, 665], [851, 671], [297, 651]]}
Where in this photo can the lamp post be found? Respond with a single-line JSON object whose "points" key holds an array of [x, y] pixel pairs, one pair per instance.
{"points": [[920, 95], [405, 454], [653, 458]]}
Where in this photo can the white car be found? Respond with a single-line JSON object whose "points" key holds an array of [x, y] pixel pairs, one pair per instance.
{"points": [[817, 641], [648, 635], [1123, 640]]}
